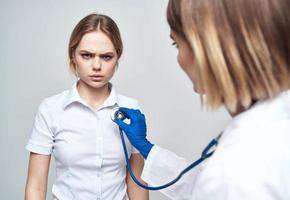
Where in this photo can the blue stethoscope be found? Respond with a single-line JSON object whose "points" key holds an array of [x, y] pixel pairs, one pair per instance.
{"points": [[206, 153]]}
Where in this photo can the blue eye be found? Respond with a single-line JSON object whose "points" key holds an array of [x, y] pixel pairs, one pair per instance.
{"points": [[86, 56], [106, 57]]}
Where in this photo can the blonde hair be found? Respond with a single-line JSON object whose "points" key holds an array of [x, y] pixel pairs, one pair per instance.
{"points": [[241, 47], [90, 23]]}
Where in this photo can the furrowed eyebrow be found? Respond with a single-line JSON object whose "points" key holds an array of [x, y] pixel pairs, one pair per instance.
{"points": [[86, 51], [106, 53]]}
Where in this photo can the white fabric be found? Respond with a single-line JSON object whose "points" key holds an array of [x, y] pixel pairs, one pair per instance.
{"points": [[86, 146], [252, 160]]}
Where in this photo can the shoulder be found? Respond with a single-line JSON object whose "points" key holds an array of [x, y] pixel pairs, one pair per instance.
{"points": [[253, 148], [252, 153], [54, 102], [245, 162], [125, 101]]}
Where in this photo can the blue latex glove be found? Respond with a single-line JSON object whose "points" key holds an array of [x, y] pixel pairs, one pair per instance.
{"points": [[136, 130]]}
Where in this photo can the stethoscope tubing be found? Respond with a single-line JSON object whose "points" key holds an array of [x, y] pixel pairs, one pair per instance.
{"points": [[205, 154]]}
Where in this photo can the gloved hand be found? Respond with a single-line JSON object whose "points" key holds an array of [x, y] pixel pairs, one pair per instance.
{"points": [[136, 130]]}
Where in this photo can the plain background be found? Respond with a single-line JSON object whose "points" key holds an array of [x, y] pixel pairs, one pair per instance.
{"points": [[34, 65]]}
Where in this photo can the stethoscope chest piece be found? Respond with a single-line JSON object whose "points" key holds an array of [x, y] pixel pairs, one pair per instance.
{"points": [[116, 114]]}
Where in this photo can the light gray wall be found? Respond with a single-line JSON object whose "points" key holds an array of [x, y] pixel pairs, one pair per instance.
{"points": [[33, 65]]}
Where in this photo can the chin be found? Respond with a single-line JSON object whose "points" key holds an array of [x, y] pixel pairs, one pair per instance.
{"points": [[96, 85]]}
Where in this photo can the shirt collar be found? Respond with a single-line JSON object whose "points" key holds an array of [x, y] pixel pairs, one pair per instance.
{"points": [[112, 100], [73, 96]]}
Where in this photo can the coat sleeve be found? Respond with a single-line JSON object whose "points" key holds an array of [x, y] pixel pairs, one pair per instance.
{"points": [[162, 166]]}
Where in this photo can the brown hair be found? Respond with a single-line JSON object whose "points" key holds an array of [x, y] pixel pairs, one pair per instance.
{"points": [[94, 22], [174, 17], [241, 47]]}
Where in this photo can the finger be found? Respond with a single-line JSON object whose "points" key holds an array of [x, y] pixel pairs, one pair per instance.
{"points": [[121, 124], [127, 111], [138, 117], [132, 114], [143, 117]]}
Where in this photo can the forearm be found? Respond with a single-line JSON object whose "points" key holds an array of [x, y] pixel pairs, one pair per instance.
{"points": [[36, 184], [162, 166], [138, 193], [33, 193], [134, 191]]}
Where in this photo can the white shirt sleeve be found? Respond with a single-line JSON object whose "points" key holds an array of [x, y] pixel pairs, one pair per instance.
{"points": [[41, 139], [162, 166]]}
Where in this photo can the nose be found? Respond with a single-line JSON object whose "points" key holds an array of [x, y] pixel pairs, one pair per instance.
{"points": [[97, 65]]}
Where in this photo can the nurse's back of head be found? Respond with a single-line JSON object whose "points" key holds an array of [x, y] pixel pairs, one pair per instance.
{"points": [[241, 48]]}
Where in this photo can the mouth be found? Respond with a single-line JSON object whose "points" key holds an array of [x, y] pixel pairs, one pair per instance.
{"points": [[96, 77]]}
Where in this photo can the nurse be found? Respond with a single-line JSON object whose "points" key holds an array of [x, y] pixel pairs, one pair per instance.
{"points": [[75, 126], [237, 55]]}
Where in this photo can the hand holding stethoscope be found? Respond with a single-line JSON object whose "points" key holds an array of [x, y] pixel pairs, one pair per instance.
{"points": [[136, 133]]}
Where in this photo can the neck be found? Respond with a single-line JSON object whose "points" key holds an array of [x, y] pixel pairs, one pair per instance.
{"points": [[94, 97]]}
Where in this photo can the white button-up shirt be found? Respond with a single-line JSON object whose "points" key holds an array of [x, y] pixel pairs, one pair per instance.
{"points": [[251, 162], [86, 146]]}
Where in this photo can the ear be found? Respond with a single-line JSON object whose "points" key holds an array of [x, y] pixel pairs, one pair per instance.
{"points": [[73, 58], [73, 62], [117, 65]]}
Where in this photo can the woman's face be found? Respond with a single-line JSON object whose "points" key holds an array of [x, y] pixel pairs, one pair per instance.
{"points": [[186, 59], [95, 58]]}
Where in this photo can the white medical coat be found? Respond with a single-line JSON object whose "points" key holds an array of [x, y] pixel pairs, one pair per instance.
{"points": [[251, 162]]}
